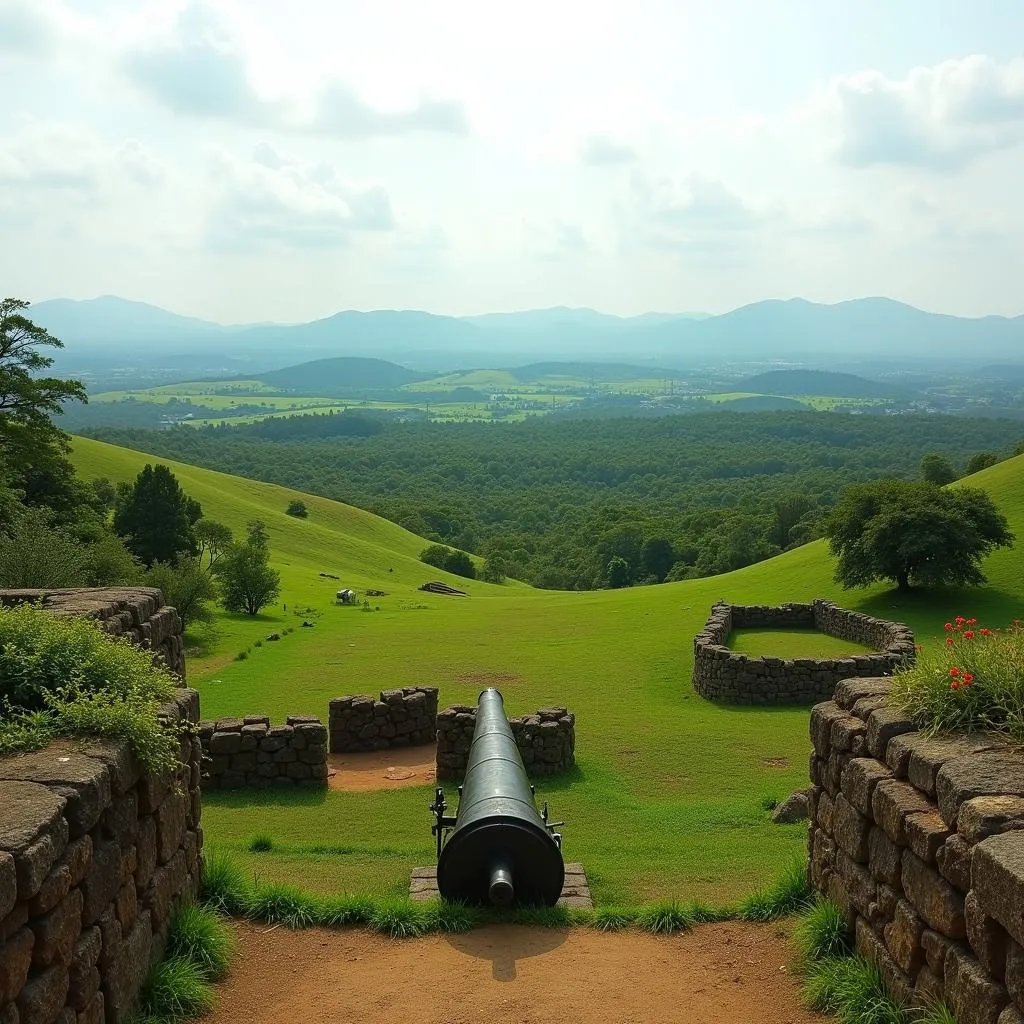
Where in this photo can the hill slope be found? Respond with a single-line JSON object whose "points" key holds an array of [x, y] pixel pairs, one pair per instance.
{"points": [[341, 376], [817, 382]]}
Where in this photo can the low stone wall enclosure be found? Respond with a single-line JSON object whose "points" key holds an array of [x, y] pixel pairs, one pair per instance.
{"points": [[546, 740], [400, 718], [94, 857], [720, 674], [921, 842], [250, 752], [138, 613]]}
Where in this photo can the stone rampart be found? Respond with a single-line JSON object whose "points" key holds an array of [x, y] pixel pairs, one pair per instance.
{"points": [[546, 740], [250, 752], [138, 613], [400, 718], [94, 858], [724, 675], [920, 841]]}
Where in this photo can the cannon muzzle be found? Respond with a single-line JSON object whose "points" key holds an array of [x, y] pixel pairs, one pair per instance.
{"points": [[501, 849]]}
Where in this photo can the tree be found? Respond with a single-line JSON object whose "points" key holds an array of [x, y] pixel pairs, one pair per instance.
{"points": [[156, 517], [1019, 449], [459, 563], [976, 463], [435, 555], [494, 570], [34, 553], [617, 572], [213, 539], [109, 563], [248, 583], [913, 533], [298, 509], [656, 557], [187, 587], [105, 492], [937, 469]]}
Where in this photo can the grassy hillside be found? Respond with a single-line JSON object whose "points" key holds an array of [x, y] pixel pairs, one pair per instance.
{"points": [[668, 796]]}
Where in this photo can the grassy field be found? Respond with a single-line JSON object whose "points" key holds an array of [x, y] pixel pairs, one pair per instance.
{"points": [[791, 643], [669, 794]]}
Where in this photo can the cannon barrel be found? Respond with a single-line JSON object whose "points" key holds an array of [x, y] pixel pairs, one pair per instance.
{"points": [[501, 849]]}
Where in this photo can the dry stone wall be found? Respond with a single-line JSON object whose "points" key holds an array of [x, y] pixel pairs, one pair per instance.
{"points": [[250, 752], [546, 740], [921, 842], [138, 613], [94, 858], [399, 718], [723, 675]]}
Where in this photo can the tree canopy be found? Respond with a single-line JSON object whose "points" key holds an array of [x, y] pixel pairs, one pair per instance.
{"points": [[914, 534], [156, 517], [247, 581]]}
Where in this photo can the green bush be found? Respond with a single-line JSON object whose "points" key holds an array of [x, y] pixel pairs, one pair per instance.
{"points": [[66, 677], [971, 682]]}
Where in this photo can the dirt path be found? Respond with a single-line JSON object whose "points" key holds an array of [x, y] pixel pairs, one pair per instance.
{"points": [[510, 974], [382, 769]]}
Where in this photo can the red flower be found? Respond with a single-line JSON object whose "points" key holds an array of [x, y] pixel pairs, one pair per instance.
{"points": [[972, 622], [986, 632], [954, 672], [968, 634], [949, 641], [960, 620], [968, 679], [948, 626], [955, 685]]}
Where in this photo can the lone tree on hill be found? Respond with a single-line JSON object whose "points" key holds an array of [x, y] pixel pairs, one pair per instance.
{"points": [[213, 539], [914, 533], [937, 469], [247, 581], [156, 517]]}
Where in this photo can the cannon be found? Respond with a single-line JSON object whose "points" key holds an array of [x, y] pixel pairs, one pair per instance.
{"points": [[501, 850]]}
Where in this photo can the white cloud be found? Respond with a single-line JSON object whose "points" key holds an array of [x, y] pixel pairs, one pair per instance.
{"points": [[554, 239], [25, 29], [939, 117], [199, 68], [276, 199], [602, 151]]}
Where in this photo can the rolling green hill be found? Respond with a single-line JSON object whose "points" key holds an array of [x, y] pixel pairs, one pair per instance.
{"points": [[341, 376], [818, 382], [667, 799]]}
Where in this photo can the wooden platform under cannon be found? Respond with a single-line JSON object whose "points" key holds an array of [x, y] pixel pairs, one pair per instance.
{"points": [[575, 890]]}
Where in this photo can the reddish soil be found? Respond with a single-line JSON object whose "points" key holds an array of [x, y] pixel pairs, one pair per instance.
{"points": [[510, 974], [382, 769]]}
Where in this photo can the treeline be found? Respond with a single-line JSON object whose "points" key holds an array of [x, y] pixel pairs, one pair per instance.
{"points": [[562, 504]]}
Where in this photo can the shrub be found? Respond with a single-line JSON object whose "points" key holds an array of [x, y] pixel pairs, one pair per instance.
{"points": [[435, 555], [66, 677], [298, 509], [459, 563], [972, 681]]}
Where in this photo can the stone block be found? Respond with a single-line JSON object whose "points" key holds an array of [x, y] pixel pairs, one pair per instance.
{"points": [[891, 803], [125, 905], [8, 884], [858, 885], [1011, 1015], [997, 877], [110, 936], [930, 753], [926, 834], [167, 883], [15, 962], [1014, 977], [33, 831], [987, 937], [936, 947], [883, 725], [121, 819], [57, 932], [101, 881], [860, 777], [990, 773], [929, 988], [43, 997], [851, 830], [903, 938], [83, 975], [870, 947], [971, 994], [954, 861], [849, 691], [884, 858], [822, 717], [986, 816], [170, 825], [69, 871], [146, 853], [843, 732], [127, 972], [938, 903]]}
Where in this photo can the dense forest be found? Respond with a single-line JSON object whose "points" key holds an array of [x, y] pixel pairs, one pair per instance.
{"points": [[563, 503]]}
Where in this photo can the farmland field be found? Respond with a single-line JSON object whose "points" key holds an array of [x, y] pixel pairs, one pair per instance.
{"points": [[669, 793]]}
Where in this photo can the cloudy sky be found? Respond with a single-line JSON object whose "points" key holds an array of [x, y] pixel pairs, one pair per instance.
{"points": [[245, 160]]}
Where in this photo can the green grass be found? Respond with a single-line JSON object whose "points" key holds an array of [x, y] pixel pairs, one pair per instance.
{"points": [[821, 933], [851, 990], [789, 894], [666, 799], [791, 643]]}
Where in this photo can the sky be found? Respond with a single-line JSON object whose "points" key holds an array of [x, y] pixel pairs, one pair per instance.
{"points": [[251, 160]]}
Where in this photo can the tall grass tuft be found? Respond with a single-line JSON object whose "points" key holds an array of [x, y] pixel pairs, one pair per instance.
{"points": [[454, 918], [935, 1013], [175, 990], [199, 935], [344, 910], [399, 918], [278, 903], [261, 843], [789, 894], [851, 989], [821, 933], [666, 918], [225, 888], [614, 919]]}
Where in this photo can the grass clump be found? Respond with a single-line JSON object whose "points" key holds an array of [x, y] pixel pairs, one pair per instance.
{"points": [[225, 888], [790, 894], [175, 990], [199, 935], [279, 903], [614, 919], [261, 843], [66, 677], [851, 989], [666, 918], [973, 681], [935, 1013], [821, 933], [400, 918]]}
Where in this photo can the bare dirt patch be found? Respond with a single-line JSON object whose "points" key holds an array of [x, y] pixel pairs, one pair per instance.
{"points": [[382, 769], [775, 762], [510, 974]]}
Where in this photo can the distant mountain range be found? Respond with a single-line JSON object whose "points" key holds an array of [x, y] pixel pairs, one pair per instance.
{"points": [[114, 331]]}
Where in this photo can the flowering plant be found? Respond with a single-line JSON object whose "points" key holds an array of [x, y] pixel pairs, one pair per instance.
{"points": [[972, 681]]}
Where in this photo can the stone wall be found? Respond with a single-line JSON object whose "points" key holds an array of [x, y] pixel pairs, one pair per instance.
{"points": [[94, 857], [138, 613], [921, 842], [546, 740], [721, 674], [400, 718], [250, 752]]}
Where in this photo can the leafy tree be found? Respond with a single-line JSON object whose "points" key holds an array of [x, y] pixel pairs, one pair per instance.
{"points": [[105, 492], [213, 539], [494, 570], [789, 515], [297, 508], [34, 553], [248, 583], [680, 571], [435, 555], [156, 517], [617, 572], [1019, 449], [657, 556], [109, 563], [187, 586], [937, 469], [459, 563], [976, 463], [913, 533]]}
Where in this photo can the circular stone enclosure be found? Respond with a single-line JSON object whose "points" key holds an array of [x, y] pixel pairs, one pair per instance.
{"points": [[725, 676]]}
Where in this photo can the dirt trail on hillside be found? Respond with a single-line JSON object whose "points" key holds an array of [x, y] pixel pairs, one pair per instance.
{"points": [[382, 769], [510, 974]]}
